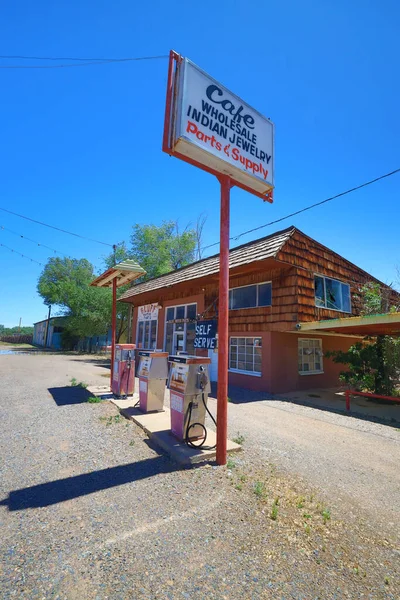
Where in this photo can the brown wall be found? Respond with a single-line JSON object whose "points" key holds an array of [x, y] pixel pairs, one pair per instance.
{"points": [[281, 315], [253, 382], [280, 364], [313, 258], [284, 364]]}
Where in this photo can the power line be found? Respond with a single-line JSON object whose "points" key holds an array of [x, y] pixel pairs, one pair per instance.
{"points": [[103, 58], [80, 62], [297, 212], [29, 239], [54, 227], [23, 255]]}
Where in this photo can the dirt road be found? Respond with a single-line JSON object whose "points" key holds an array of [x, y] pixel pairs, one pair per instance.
{"points": [[89, 510]]}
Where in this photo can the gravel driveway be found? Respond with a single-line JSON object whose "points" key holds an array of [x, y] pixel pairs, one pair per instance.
{"points": [[89, 510]]}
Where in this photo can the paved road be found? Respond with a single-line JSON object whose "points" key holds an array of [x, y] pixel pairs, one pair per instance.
{"points": [[88, 510]]}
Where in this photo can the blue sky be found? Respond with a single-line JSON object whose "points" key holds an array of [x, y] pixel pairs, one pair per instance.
{"points": [[80, 148]]}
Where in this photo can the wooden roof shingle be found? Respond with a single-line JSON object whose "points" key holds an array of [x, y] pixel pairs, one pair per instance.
{"points": [[261, 249]]}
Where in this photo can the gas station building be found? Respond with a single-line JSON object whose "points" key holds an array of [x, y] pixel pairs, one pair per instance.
{"points": [[282, 288]]}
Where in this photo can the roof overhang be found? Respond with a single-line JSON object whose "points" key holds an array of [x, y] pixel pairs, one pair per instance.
{"points": [[370, 325], [153, 289], [124, 273]]}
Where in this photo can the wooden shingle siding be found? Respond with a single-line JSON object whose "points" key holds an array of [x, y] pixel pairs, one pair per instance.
{"points": [[313, 258], [289, 259]]}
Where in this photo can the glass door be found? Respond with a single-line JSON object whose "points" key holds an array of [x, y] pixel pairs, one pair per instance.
{"points": [[179, 340]]}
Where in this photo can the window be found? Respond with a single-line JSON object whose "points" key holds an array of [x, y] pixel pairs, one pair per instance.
{"points": [[310, 356], [180, 335], [250, 296], [245, 355], [332, 294], [147, 334]]}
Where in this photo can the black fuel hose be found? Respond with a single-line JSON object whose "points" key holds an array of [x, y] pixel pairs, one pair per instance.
{"points": [[190, 442]]}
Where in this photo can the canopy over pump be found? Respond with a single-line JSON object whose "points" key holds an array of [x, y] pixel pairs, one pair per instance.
{"points": [[121, 274]]}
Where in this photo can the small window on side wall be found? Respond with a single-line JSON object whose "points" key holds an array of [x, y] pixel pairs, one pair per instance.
{"points": [[310, 356]]}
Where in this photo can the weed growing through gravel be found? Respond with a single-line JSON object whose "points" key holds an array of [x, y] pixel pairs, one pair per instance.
{"points": [[326, 515], [387, 580], [300, 502], [239, 439], [259, 489], [275, 509], [230, 464], [132, 443], [74, 383], [110, 420], [94, 400], [239, 487]]}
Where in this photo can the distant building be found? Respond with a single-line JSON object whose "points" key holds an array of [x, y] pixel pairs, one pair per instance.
{"points": [[54, 333]]}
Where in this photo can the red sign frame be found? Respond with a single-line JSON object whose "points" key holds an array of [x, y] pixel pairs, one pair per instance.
{"points": [[174, 59]]}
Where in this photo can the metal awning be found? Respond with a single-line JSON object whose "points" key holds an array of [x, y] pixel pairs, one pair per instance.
{"points": [[370, 325], [124, 272]]}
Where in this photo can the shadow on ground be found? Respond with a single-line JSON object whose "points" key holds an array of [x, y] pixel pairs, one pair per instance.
{"points": [[54, 492], [63, 396]]}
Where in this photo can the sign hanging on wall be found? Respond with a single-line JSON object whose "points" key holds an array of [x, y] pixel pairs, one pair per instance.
{"points": [[214, 127], [148, 312], [206, 335]]}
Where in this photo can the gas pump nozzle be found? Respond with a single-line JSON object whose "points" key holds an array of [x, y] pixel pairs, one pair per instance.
{"points": [[202, 378]]}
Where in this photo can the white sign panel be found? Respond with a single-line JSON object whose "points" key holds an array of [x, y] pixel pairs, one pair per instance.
{"points": [[219, 130], [148, 312]]}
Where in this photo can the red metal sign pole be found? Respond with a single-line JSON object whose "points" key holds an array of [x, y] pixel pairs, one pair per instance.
{"points": [[223, 322], [113, 327]]}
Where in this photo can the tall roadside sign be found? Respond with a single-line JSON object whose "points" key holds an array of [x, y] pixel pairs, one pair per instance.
{"points": [[211, 128]]}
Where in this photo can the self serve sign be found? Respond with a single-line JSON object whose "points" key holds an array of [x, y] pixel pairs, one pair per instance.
{"points": [[206, 332]]}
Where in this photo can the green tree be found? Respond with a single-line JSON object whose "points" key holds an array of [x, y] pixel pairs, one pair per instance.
{"points": [[64, 283], [61, 277], [159, 249], [374, 364]]}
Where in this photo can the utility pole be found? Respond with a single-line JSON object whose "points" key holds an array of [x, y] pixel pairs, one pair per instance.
{"points": [[47, 328], [19, 326]]}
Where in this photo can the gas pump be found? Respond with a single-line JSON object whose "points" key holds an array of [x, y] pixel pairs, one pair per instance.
{"points": [[153, 373], [123, 382], [189, 386]]}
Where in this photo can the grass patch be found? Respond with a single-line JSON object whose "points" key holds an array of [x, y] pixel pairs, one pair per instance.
{"points": [[326, 515], [75, 383], [300, 502], [239, 487], [94, 400], [238, 439], [230, 464], [259, 489], [275, 509], [111, 420]]}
